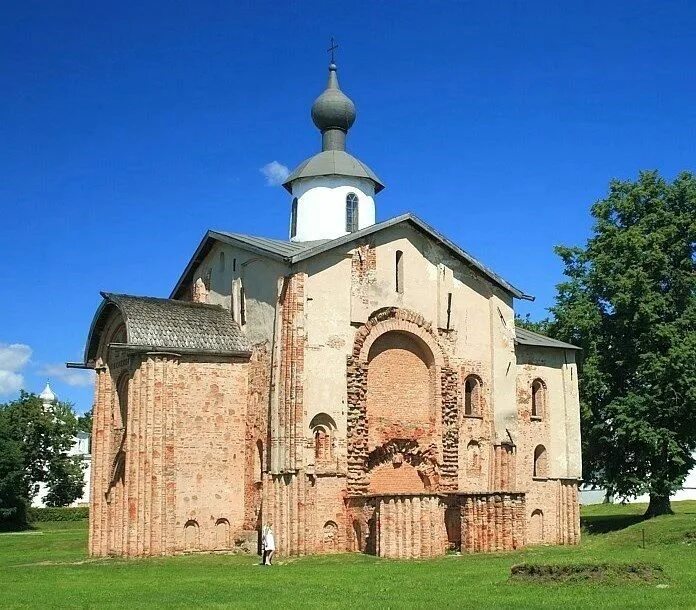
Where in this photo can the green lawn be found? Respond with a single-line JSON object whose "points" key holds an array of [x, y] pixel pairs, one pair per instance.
{"points": [[49, 568]]}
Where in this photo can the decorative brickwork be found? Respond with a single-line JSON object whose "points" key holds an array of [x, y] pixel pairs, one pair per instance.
{"points": [[450, 433], [410, 526], [493, 522], [444, 413]]}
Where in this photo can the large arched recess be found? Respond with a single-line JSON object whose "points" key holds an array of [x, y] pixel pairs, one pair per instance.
{"points": [[414, 342], [400, 389]]}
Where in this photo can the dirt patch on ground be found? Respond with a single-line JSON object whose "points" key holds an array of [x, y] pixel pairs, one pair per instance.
{"points": [[595, 572]]}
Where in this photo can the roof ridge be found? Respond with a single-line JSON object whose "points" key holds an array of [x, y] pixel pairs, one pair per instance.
{"points": [[163, 299]]}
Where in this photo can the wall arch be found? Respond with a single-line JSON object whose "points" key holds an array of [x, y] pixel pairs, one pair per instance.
{"points": [[222, 534], [330, 537], [395, 319], [192, 539], [536, 527]]}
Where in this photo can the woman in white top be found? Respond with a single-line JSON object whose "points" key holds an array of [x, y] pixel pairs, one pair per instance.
{"points": [[268, 542]]}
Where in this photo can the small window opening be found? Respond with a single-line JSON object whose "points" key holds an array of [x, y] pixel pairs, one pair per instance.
{"points": [[472, 396], [242, 306], [538, 398], [234, 264], [540, 462], [222, 261], [449, 310], [351, 212], [399, 277], [293, 218]]}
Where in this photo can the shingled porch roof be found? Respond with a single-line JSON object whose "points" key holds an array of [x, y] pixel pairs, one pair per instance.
{"points": [[155, 324]]}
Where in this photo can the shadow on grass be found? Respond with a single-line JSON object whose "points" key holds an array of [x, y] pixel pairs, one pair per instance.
{"points": [[10, 526], [603, 524]]}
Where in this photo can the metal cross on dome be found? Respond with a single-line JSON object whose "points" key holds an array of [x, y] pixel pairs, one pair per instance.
{"points": [[332, 48]]}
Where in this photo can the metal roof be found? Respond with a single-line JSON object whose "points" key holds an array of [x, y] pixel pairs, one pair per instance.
{"points": [[279, 247], [294, 252], [171, 325], [528, 337], [332, 163]]}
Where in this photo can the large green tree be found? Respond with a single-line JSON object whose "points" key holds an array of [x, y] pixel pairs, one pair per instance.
{"points": [[34, 446], [630, 302]]}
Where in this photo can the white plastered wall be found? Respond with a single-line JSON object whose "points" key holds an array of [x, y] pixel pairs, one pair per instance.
{"points": [[321, 206]]}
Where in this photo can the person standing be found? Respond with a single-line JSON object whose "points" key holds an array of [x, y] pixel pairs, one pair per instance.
{"points": [[268, 545]]}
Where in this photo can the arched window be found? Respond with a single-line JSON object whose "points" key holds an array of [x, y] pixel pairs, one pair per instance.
{"points": [[540, 462], [322, 444], [293, 218], [399, 271], [323, 430], [351, 212], [472, 395], [222, 261], [538, 398]]}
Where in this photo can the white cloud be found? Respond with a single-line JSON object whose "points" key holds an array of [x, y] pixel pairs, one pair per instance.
{"points": [[73, 377], [275, 173], [13, 358], [10, 382]]}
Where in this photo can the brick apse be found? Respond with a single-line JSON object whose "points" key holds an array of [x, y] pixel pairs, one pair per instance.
{"points": [[307, 392]]}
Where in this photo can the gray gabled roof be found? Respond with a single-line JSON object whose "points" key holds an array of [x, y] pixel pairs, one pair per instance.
{"points": [[528, 337], [332, 163], [294, 252], [169, 325], [279, 247]]}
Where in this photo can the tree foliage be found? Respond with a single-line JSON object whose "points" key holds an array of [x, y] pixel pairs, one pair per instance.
{"points": [[34, 445], [630, 302]]}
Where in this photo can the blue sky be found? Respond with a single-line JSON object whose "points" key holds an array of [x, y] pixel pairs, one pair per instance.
{"points": [[127, 130]]}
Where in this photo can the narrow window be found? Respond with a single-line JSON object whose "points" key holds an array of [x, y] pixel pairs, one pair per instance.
{"points": [[322, 446], [222, 261], [242, 306], [351, 212], [293, 218], [540, 462], [449, 310], [234, 264], [399, 278], [472, 395], [538, 398]]}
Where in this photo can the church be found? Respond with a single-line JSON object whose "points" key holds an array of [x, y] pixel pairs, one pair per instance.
{"points": [[360, 387]]}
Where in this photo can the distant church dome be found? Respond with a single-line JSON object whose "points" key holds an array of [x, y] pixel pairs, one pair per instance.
{"points": [[333, 109], [47, 396]]}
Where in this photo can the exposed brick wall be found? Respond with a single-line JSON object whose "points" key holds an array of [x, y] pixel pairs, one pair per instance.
{"points": [[177, 461], [291, 391], [256, 432], [399, 391], [411, 526], [493, 522], [418, 350]]}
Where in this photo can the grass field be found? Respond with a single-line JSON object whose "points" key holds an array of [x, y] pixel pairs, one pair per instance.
{"points": [[49, 568]]}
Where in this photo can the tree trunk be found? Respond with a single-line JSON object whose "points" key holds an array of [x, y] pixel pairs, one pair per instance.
{"points": [[659, 505]]}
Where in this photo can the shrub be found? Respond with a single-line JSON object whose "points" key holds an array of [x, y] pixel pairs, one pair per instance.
{"points": [[585, 571], [79, 513]]}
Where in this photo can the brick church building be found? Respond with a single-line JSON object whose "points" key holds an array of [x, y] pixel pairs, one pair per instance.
{"points": [[361, 387]]}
